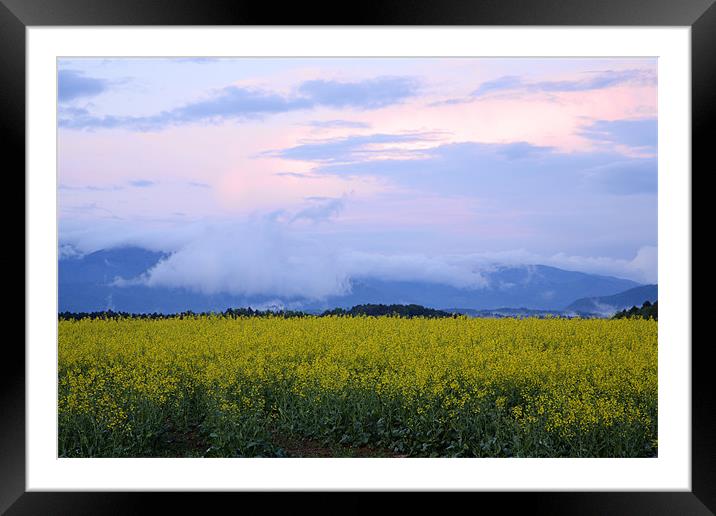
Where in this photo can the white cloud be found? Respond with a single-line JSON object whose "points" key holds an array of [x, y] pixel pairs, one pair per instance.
{"points": [[251, 259], [320, 209]]}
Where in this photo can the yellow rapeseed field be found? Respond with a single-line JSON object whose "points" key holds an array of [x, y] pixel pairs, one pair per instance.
{"points": [[455, 387]]}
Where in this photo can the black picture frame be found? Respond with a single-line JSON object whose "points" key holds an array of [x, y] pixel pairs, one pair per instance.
{"points": [[16, 15]]}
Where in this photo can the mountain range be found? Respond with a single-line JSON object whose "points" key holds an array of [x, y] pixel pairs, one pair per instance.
{"points": [[87, 283], [610, 304]]}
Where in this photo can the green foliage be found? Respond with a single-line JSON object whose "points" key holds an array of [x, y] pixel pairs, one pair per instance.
{"points": [[647, 311], [390, 310]]}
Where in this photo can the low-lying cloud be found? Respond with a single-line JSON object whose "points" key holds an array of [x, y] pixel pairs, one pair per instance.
{"points": [[262, 256], [321, 208], [251, 260]]}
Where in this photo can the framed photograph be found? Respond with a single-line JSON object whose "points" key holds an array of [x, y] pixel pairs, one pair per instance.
{"points": [[415, 250]]}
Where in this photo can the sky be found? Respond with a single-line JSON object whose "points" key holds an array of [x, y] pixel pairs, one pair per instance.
{"points": [[291, 175]]}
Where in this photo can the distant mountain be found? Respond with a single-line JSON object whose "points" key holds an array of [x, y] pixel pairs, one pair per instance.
{"points": [[86, 285], [607, 305], [531, 286], [104, 266], [517, 312]]}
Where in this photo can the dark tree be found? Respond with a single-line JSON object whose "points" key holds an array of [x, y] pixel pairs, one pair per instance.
{"points": [[647, 311]]}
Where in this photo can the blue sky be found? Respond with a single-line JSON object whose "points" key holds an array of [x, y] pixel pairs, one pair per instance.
{"points": [[453, 161]]}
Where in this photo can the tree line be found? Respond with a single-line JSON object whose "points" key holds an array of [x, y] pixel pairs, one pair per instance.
{"points": [[647, 311], [375, 310]]}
